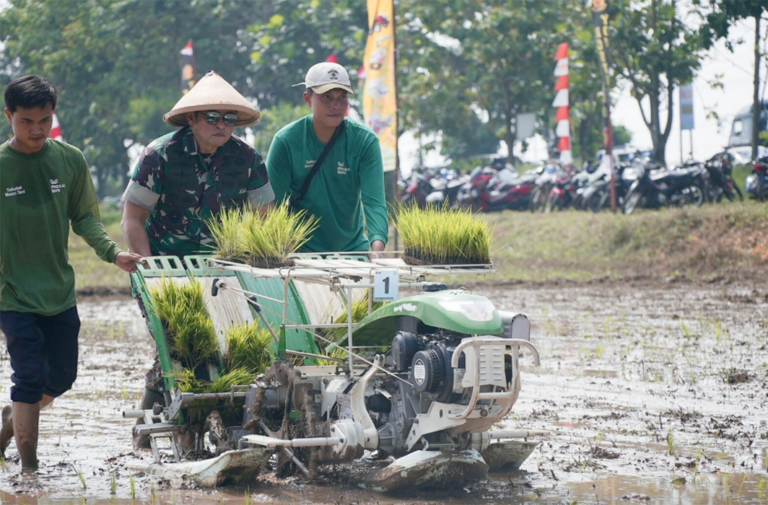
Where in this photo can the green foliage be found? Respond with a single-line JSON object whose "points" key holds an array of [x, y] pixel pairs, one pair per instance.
{"points": [[486, 59], [190, 332], [249, 348], [289, 36], [441, 236], [116, 64], [261, 239], [621, 135], [722, 14], [272, 120], [655, 51]]}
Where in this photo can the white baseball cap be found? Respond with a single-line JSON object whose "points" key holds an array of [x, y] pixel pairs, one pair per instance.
{"points": [[326, 76]]}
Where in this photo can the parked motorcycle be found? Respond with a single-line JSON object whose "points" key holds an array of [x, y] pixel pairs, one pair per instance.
{"points": [[446, 192], [417, 188], [597, 194], [489, 190], [721, 183], [665, 188], [546, 175], [565, 191], [757, 182]]}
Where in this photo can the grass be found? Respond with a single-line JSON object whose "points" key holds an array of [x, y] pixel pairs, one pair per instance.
{"points": [[90, 271], [713, 239], [441, 236]]}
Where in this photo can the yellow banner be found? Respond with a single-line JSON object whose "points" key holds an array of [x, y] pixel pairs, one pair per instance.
{"points": [[379, 95]]}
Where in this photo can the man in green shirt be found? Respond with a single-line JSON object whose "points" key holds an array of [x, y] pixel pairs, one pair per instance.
{"points": [[45, 186], [350, 183]]}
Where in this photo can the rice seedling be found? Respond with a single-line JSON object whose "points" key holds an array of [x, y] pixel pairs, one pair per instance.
{"points": [[670, 443], [112, 483], [271, 238], [226, 232], [438, 235], [133, 487], [249, 347], [187, 381], [192, 338], [236, 377], [359, 312], [82, 479], [261, 240]]}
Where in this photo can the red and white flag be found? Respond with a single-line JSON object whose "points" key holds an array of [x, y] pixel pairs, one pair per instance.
{"points": [[562, 104], [56, 130]]}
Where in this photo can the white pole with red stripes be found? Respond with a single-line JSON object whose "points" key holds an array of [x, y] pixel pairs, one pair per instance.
{"points": [[562, 104]]}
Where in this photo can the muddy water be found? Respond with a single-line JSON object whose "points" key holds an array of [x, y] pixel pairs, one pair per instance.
{"points": [[653, 393]]}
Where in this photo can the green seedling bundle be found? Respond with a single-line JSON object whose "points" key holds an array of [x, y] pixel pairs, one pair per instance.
{"points": [[263, 241], [191, 336], [192, 342], [440, 236]]}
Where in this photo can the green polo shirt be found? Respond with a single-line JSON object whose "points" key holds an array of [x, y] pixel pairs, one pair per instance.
{"points": [[40, 195], [347, 193]]}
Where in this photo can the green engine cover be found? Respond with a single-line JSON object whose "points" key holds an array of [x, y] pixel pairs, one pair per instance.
{"points": [[455, 310]]}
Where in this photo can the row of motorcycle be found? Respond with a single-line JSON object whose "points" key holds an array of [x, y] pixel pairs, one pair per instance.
{"points": [[639, 183]]}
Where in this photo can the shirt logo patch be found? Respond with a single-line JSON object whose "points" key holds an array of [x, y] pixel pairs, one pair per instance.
{"points": [[55, 186], [14, 191], [341, 169]]}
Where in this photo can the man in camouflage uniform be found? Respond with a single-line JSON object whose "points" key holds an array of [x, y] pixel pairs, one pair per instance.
{"points": [[185, 178]]}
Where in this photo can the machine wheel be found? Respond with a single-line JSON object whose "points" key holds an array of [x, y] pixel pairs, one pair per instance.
{"points": [[762, 190], [594, 202], [630, 204], [539, 200], [737, 189], [695, 195], [552, 204]]}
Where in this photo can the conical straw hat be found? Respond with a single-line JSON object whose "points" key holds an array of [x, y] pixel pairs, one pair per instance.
{"points": [[212, 92]]}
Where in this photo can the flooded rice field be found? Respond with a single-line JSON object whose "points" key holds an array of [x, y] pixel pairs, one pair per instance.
{"points": [[653, 393]]}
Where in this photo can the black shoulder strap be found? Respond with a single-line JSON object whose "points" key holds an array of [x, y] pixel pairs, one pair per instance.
{"points": [[303, 191]]}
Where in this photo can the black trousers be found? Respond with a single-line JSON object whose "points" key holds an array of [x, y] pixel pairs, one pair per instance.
{"points": [[43, 352]]}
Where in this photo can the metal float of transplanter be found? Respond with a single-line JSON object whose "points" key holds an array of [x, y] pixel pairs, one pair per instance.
{"points": [[424, 380]]}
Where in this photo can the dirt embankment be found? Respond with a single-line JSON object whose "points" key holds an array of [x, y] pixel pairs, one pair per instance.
{"points": [[714, 241]]}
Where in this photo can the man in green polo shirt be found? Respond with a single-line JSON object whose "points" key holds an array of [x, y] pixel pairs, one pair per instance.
{"points": [[347, 192], [45, 186]]}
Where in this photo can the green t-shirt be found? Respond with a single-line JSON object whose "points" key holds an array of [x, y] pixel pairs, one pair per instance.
{"points": [[350, 183], [40, 194]]}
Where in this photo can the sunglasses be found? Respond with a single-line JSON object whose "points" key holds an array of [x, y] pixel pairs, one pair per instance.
{"points": [[213, 117]]}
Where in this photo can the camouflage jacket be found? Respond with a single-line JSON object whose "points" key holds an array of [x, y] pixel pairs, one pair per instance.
{"points": [[192, 190]]}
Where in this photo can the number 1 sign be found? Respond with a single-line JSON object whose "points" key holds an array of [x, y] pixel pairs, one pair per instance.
{"points": [[385, 285]]}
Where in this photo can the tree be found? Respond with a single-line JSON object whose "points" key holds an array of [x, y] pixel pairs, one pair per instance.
{"points": [[488, 58], [586, 90], [722, 16], [272, 120], [292, 35], [115, 63], [654, 51]]}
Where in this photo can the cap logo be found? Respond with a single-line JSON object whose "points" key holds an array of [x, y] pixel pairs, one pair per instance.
{"points": [[333, 75]]}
